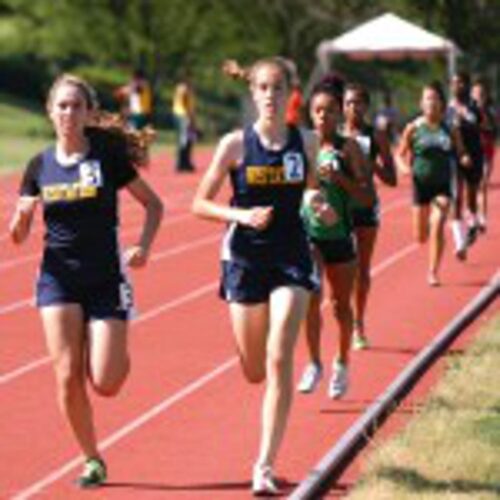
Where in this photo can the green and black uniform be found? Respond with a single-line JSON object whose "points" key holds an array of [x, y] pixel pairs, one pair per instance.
{"points": [[468, 123], [335, 242], [432, 149], [363, 216]]}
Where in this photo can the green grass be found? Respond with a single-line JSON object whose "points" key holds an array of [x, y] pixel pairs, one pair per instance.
{"points": [[24, 130], [15, 152], [450, 449]]}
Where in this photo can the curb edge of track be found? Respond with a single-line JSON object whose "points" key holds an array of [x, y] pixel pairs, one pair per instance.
{"points": [[336, 460]]}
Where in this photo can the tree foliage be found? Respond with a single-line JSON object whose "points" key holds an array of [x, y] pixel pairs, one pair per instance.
{"points": [[168, 38]]}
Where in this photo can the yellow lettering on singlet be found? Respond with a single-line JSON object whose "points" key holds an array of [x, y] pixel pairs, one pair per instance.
{"points": [[265, 175], [71, 191], [68, 192], [88, 191], [53, 193]]}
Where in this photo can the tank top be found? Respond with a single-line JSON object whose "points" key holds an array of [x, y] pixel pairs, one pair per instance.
{"points": [[269, 178], [369, 147], [80, 210], [335, 195], [432, 154], [469, 125]]}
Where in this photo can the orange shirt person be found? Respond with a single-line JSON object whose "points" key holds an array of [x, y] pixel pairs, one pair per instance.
{"points": [[294, 105]]}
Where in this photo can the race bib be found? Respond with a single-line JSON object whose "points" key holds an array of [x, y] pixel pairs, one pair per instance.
{"points": [[293, 165], [90, 174], [328, 157], [126, 297]]}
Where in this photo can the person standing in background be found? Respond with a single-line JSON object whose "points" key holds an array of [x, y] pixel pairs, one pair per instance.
{"points": [[295, 102], [387, 118], [138, 96], [183, 107]]}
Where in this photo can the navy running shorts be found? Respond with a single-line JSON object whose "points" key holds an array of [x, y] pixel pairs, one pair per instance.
{"points": [[248, 284], [338, 251], [110, 299]]}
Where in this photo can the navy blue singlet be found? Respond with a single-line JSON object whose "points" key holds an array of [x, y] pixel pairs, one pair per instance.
{"points": [[80, 208], [269, 178], [469, 129]]}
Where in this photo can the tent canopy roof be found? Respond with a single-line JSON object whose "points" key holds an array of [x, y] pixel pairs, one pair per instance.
{"points": [[387, 37]]}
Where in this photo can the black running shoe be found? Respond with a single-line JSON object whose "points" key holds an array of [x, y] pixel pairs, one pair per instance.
{"points": [[472, 234]]}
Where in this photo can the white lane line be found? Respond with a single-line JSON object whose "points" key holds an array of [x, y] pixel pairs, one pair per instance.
{"points": [[167, 306], [132, 426], [7, 264], [173, 219], [394, 258], [193, 245], [22, 370], [9, 376], [14, 306], [138, 422], [170, 203]]}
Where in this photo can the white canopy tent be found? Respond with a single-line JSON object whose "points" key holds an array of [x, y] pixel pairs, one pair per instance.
{"points": [[388, 37]]}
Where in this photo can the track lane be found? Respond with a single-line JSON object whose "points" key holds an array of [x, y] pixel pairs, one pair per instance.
{"points": [[206, 416]]}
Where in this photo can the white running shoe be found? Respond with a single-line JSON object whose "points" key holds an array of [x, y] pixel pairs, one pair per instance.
{"points": [[313, 372], [433, 280], [359, 342], [263, 481], [338, 381]]}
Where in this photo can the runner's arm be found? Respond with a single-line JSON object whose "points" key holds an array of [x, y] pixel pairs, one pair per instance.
{"points": [[383, 166]]}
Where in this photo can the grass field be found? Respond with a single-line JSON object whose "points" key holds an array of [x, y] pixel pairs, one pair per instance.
{"points": [[450, 450], [23, 131]]}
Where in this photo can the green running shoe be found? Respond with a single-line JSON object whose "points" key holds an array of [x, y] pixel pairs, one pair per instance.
{"points": [[94, 474]]}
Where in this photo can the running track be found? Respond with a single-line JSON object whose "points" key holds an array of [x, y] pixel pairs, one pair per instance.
{"points": [[186, 424]]}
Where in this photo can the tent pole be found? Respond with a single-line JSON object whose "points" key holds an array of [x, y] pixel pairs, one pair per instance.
{"points": [[452, 63]]}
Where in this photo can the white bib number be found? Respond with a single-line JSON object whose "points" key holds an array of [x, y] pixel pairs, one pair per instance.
{"points": [[90, 174], [126, 297], [293, 164]]}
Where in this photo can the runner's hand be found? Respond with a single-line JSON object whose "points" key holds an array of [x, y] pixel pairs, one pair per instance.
{"points": [[20, 223], [465, 161], [257, 217], [135, 256], [320, 208], [326, 172], [326, 214]]}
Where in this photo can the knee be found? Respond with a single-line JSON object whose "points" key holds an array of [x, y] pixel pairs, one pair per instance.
{"points": [[277, 366], [254, 375], [107, 388], [108, 385], [342, 310]]}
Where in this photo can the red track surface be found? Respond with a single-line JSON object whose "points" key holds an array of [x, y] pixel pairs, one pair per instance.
{"points": [[186, 424]]}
